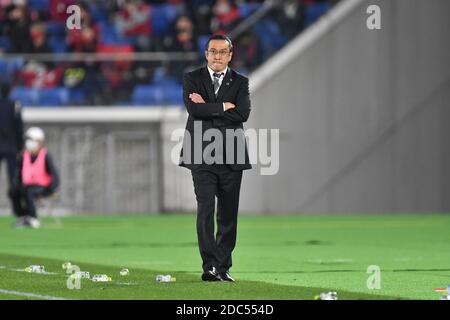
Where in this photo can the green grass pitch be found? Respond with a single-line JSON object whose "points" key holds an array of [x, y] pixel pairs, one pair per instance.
{"points": [[276, 257]]}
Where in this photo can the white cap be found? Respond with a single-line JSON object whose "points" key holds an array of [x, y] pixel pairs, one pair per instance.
{"points": [[35, 133]]}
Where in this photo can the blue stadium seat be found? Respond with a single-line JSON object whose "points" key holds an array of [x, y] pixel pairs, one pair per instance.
{"points": [[162, 17], [26, 96], [147, 95], [98, 12], [173, 94], [159, 74], [58, 44], [39, 5], [9, 67], [77, 96], [4, 68], [270, 35], [107, 33], [5, 43], [201, 43], [314, 11], [55, 28], [160, 77], [54, 97], [158, 94], [110, 35]]}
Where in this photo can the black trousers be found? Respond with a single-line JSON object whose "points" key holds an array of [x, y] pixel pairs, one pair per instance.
{"points": [[11, 165], [23, 199], [221, 182]]}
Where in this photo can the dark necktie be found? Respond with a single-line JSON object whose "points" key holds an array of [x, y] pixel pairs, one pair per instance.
{"points": [[216, 77]]}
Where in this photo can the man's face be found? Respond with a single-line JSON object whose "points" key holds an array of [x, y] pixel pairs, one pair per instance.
{"points": [[218, 55]]}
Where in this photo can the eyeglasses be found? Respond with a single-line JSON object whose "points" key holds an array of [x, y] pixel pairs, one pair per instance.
{"points": [[221, 53]]}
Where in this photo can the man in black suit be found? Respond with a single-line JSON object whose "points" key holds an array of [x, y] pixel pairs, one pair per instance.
{"points": [[218, 102], [11, 133]]}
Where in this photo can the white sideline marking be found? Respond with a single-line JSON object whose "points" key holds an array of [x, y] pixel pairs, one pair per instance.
{"points": [[30, 295]]}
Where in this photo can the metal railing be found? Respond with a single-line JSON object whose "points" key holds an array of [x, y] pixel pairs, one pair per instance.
{"points": [[160, 56], [103, 170]]}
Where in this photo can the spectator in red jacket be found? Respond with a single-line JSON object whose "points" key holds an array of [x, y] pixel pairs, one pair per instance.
{"points": [[133, 20], [226, 16], [58, 9], [86, 38]]}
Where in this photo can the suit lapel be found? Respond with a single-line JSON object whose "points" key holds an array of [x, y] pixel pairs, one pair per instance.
{"points": [[226, 84], [207, 82]]}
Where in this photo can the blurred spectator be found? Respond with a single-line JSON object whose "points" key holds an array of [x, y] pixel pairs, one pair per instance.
{"points": [[39, 39], [181, 39], [58, 9], [4, 20], [226, 16], [116, 73], [86, 38], [290, 16], [125, 26], [133, 20], [201, 14], [37, 75], [18, 27], [246, 52]]}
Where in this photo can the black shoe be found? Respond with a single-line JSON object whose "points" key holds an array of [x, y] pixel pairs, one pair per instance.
{"points": [[210, 275], [225, 276]]}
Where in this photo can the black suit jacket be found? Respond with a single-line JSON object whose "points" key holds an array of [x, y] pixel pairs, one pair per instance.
{"points": [[210, 115]]}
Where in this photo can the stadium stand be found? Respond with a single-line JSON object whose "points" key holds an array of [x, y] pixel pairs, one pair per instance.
{"points": [[49, 74]]}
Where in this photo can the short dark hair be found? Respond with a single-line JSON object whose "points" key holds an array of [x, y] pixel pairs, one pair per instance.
{"points": [[219, 37]]}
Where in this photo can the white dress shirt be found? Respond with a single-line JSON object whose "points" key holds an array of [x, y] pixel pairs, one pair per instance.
{"points": [[211, 71]]}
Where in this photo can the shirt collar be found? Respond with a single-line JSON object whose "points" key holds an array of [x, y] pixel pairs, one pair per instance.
{"points": [[211, 72]]}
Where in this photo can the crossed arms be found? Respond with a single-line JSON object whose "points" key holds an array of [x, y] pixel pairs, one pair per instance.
{"points": [[233, 113]]}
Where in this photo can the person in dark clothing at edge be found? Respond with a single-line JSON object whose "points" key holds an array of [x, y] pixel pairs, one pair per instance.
{"points": [[11, 134], [36, 177]]}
